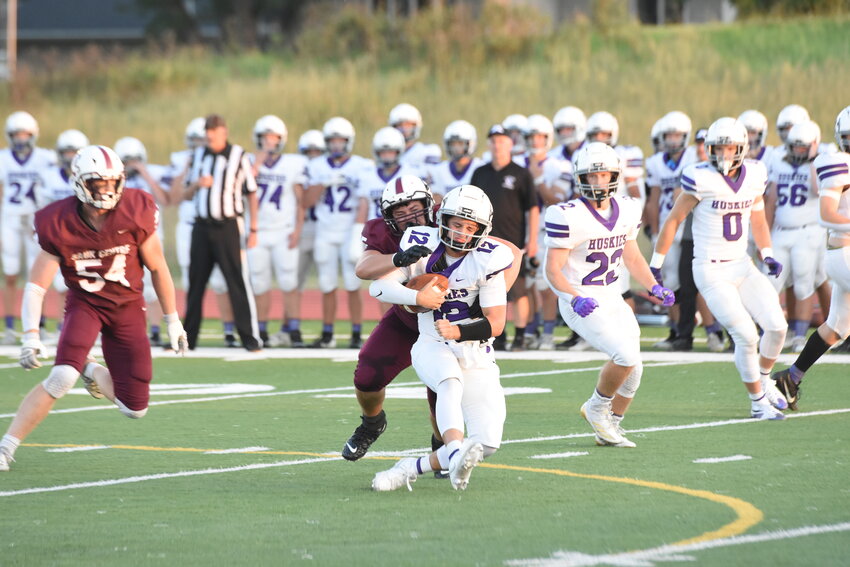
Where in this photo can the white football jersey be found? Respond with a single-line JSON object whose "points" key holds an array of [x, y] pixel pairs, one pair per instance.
{"points": [[631, 164], [371, 183], [665, 173], [421, 155], [595, 239], [276, 181], [557, 174], [766, 156], [337, 206], [796, 203], [158, 172], [21, 179], [56, 185], [833, 172], [444, 176], [179, 163], [722, 216], [471, 283], [563, 154]]}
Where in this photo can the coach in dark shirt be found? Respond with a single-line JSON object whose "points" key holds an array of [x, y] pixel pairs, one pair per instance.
{"points": [[516, 216], [218, 182]]}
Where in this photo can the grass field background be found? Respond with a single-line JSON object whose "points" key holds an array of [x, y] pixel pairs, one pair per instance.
{"points": [[91, 487]]}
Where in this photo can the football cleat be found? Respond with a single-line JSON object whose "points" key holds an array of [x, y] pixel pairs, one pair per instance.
{"points": [[666, 344], [327, 340], [402, 474], [619, 428], [797, 344], [715, 342], [280, 339], [297, 340], [581, 345], [5, 460], [230, 340], [362, 439], [599, 418], [356, 341], [461, 465], [88, 380], [547, 342], [763, 410], [10, 337], [786, 385], [773, 394], [569, 343]]}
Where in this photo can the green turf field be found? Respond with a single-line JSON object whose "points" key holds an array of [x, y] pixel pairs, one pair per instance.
{"points": [[237, 462]]}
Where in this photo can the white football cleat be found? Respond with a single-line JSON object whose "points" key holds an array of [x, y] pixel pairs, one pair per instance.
{"points": [[626, 444], [772, 393], [763, 410], [5, 459], [797, 344], [715, 342], [280, 339], [599, 417], [461, 465], [88, 379], [402, 474], [547, 342], [10, 337], [581, 346]]}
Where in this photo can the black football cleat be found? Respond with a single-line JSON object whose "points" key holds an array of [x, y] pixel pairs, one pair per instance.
{"points": [[363, 437], [790, 389]]}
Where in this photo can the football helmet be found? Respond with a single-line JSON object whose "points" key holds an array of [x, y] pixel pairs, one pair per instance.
{"points": [[655, 135], [270, 124], [539, 124], [338, 127], [460, 131], [130, 149], [311, 140], [788, 116], [387, 138], [726, 131], [402, 190], [842, 130], [405, 112], [802, 142], [570, 117], [514, 125], [601, 122], [756, 124], [195, 135], [467, 202], [67, 142], [21, 121], [676, 121], [596, 157], [97, 162]]}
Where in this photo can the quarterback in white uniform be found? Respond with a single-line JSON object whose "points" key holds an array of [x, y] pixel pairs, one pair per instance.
{"points": [[20, 167], [724, 194], [833, 171], [333, 191], [459, 140], [281, 179], [454, 355], [587, 241]]}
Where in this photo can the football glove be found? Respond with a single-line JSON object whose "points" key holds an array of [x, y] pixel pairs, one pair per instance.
{"points": [[774, 268], [410, 256], [667, 297], [656, 273], [176, 334], [31, 351], [584, 306]]}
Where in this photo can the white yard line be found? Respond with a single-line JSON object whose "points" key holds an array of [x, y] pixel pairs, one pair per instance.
{"points": [[560, 455], [729, 459]]}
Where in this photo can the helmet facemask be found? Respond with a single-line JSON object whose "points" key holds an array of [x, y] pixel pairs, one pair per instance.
{"points": [[460, 240], [726, 165], [596, 192]]}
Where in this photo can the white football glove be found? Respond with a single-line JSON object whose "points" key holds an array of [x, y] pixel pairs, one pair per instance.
{"points": [[176, 334], [31, 351]]}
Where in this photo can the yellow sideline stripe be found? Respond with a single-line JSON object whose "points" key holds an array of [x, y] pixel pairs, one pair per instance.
{"points": [[747, 514]]}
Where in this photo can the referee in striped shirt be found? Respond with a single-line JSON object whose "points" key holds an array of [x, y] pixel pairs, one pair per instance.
{"points": [[218, 182]]}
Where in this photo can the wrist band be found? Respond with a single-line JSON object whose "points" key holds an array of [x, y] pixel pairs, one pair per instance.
{"points": [[766, 253], [476, 331], [657, 260]]}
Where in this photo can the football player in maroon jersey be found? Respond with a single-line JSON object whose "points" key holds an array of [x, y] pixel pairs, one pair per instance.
{"points": [[100, 240]]}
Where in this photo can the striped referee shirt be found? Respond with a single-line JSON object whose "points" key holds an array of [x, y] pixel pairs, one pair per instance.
{"points": [[232, 178]]}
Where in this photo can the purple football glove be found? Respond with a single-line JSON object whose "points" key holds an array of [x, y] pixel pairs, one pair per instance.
{"points": [[666, 296], [774, 268], [584, 306], [656, 273]]}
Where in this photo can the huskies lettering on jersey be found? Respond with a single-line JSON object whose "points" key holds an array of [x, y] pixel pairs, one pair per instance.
{"points": [[732, 205], [604, 243]]}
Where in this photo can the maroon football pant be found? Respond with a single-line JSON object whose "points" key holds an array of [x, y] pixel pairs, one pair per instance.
{"points": [[125, 346]]}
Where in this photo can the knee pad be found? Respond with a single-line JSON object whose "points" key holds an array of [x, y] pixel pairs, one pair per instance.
{"points": [[261, 283], [449, 412], [134, 414], [630, 386], [772, 341], [61, 379]]}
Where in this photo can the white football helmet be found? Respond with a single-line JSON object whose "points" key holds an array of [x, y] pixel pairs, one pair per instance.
{"points": [[311, 140], [726, 131], [514, 125], [756, 124], [129, 149], [21, 121], [195, 135], [467, 202], [603, 122], [67, 142], [539, 124], [402, 190], [97, 162], [270, 124], [460, 131], [802, 142], [676, 121], [338, 127], [842, 130], [388, 138], [655, 135], [570, 117], [788, 116], [405, 112], [596, 157]]}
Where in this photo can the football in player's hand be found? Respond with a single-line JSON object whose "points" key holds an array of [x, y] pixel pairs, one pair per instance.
{"points": [[418, 282]]}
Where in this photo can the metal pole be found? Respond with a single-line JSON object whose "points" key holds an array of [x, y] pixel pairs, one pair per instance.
{"points": [[12, 38]]}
